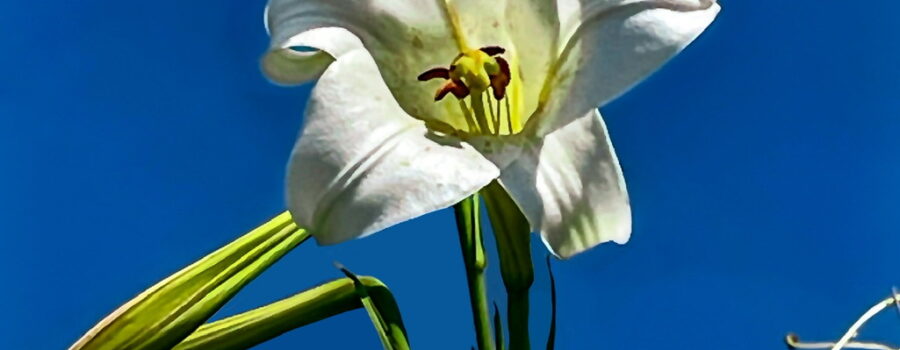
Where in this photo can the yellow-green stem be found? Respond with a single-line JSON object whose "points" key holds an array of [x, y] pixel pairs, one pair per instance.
{"points": [[468, 223]]}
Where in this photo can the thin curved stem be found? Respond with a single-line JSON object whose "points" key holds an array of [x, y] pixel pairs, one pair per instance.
{"points": [[794, 342], [874, 310]]}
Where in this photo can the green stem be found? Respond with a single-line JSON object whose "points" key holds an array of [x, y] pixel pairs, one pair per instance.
{"points": [[468, 222]]}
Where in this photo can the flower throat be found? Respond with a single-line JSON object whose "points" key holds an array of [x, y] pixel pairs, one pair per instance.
{"points": [[480, 80]]}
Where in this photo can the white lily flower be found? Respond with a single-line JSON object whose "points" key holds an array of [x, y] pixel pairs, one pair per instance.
{"points": [[421, 103]]}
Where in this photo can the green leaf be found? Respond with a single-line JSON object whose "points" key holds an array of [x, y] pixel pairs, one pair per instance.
{"points": [[262, 324], [169, 311], [382, 310], [513, 236]]}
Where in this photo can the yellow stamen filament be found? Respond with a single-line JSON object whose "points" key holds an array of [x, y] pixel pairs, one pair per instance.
{"points": [[480, 116], [499, 118], [470, 121], [495, 123], [513, 123], [485, 120]]}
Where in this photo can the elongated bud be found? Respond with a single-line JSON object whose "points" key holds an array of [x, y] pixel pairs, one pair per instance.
{"points": [[166, 313], [513, 235]]}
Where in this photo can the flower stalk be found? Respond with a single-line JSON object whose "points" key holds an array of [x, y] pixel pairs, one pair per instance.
{"points": [[468, 222]]}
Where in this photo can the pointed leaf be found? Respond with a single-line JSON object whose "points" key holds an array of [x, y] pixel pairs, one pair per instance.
{"points": [[257, 326], [382, 310]]}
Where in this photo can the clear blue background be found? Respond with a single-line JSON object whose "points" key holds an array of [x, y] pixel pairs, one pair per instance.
{"points": [[136, 136]]}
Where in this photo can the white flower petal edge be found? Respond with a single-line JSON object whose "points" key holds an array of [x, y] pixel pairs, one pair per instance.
{"points": [[405, 37], [613, 46], [289, 67], [362, 164], [571, 189]]}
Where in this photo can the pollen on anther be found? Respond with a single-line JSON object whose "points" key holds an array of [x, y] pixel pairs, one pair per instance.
{"points": [[493, 50], [458, 88], [501, 80], [435, 73]]}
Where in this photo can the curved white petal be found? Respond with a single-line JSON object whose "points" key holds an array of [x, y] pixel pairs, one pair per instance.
{"points": [[362, 164], [285, 65], [406, 38], [533, 30], [570, 187], [613, 45]]}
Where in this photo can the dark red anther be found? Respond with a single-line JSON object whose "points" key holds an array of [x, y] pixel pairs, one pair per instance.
{"points": [[435, 73], [458, 88], [493, 50], [501, 80]]}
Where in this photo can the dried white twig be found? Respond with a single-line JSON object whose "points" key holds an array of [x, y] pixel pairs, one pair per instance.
{"points": [[794, 343], [896, 298], [846, 342], [874, 310]]}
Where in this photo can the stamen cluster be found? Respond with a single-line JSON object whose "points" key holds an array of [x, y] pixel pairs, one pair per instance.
{"points": [[470, 75]]}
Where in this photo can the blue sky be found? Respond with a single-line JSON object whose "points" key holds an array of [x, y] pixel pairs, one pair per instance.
{"points": [[762, 167]]}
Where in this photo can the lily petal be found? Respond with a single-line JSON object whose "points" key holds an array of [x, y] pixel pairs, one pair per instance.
{"points": [[362, 164], [612, 46], [570, 187], [406, 38], [533, 29], [288, 66]]}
